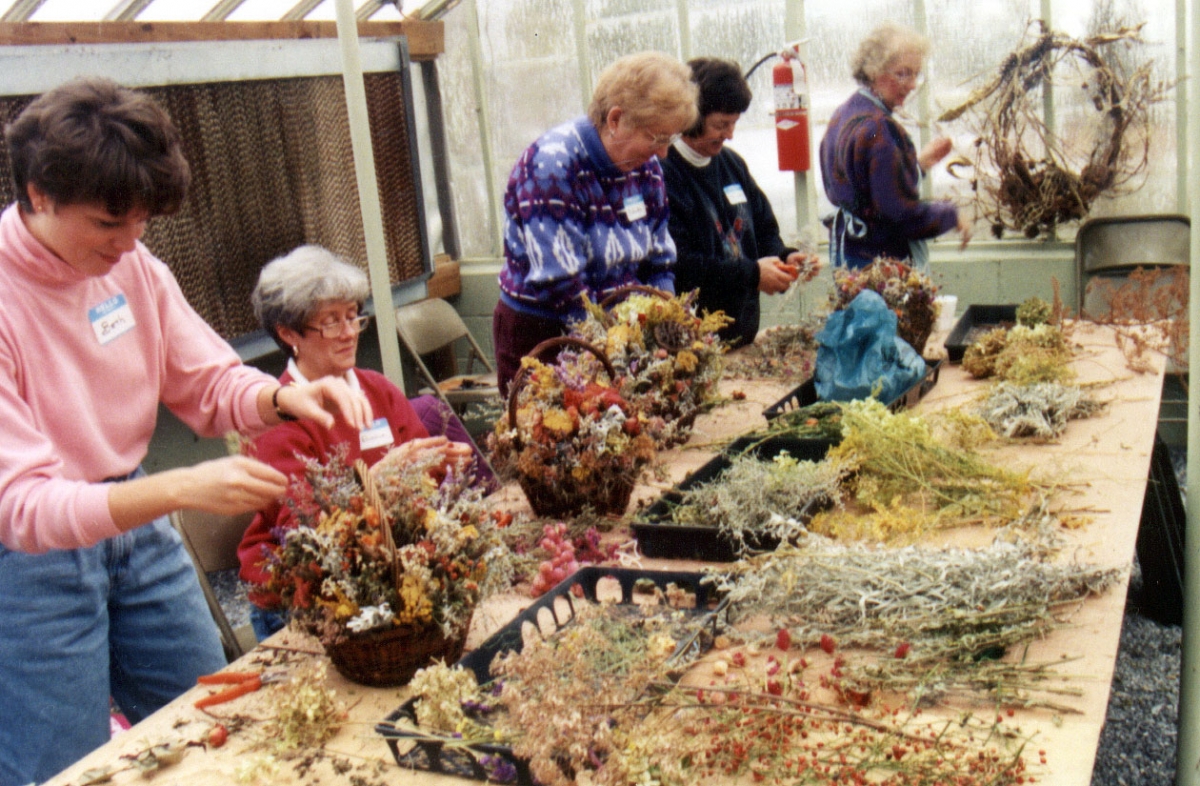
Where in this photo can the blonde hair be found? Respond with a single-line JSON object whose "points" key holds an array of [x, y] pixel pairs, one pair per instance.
{"points": [[883, 45], [649, 87]]}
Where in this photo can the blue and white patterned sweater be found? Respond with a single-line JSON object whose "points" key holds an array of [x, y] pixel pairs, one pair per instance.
{"points": [[578, 225]]}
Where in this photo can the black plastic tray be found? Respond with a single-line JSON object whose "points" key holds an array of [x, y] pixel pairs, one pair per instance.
{"points": [[974, 320], [432, 755], [684, 541], [806, 393]]}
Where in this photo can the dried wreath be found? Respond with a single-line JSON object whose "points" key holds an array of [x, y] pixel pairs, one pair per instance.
{"points": [[908, 292], [669, 359], [1029, 179]]}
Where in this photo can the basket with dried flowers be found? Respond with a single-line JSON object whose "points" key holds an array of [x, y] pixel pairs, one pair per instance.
{"points": [[571, 441], [907, 292], [388, 564], [669, 359]]}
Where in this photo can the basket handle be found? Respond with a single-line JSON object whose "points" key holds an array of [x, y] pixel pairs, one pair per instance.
{"points": [[518, 379], [375, 499], [621, 293]]}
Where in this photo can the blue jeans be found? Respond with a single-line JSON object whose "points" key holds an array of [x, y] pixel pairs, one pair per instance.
{"points": [[267, 621], [124, 618]]}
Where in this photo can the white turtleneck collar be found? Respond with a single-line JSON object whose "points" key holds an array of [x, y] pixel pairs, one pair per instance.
{"points": [[689, 155], [297, 377]]}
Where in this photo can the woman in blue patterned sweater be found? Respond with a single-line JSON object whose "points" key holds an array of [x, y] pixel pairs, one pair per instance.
{"points": [[870, 168], [587, 208]]}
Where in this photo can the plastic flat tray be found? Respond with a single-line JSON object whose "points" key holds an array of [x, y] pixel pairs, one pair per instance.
{"points": [[658, 538], [430, 754], [976, 320], [806, 394]]}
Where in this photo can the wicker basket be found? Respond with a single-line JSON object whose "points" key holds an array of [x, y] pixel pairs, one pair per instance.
{"points": [[387, 658], [566, 499]]}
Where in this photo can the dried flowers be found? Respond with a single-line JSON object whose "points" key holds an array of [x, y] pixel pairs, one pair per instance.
{"points": [[897, 459], [1148, 311], [669, 359], [779, 352], [307, 712], [951, 606], [908, 292], [341, 572], [1038, 410], [755, 499], [1023, 355], [571, 442]]}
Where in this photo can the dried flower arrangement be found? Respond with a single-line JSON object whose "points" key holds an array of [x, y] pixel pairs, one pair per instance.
{"points": [[668, 358], [1022, 354], [908, 292], [571, 442], [779, 352], [1039, 410], [342, 574], [1030, 180]]}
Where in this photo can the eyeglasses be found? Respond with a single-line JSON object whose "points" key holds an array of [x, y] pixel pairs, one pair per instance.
{"points": [[661, 140], [907, 75], [334, 329]]}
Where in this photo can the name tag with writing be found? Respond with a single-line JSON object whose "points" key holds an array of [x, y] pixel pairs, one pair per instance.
{"points": [[111, 318], [377, 435], [635, 207], [735, 194]]}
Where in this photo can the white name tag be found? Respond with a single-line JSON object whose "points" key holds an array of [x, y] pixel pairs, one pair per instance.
{"points": [[635, 207], [735, 194], [111, 318], [377, 435]]}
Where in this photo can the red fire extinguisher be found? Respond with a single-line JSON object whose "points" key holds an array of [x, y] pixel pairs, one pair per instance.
{"points": [[791, 112]]}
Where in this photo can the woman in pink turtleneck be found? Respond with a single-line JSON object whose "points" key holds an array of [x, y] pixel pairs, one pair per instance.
{"points": [[97, 596]]}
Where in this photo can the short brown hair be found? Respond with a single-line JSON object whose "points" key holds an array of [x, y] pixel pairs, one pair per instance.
{"points": [[722, 89], [648, 87], [92, 141]]}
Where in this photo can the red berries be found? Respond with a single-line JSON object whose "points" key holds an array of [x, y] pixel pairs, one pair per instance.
{"points": [[902, 650], [828, 643], [218, 735], [783, 640]]}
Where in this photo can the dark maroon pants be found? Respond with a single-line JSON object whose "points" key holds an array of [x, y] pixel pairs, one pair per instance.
{"points": [[513, 336]]}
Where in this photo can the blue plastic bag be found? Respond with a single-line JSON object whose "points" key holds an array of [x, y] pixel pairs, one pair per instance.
{"points": [[858, 350]]}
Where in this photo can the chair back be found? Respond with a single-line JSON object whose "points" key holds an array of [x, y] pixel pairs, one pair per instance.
{"points": [[429, 325], [1107, 249], [212, 541]]}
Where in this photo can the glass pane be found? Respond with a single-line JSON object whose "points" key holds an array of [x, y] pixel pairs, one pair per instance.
{"points": [[71, 11], [175, 10], [261, 10]]}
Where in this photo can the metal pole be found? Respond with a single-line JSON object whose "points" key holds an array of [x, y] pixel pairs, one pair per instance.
{"points": [[478, 79], [794, 29], [368, 192], [1187, 762]]}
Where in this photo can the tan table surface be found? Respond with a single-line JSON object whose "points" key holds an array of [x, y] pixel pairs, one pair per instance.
{"points": [[1105, 460]]}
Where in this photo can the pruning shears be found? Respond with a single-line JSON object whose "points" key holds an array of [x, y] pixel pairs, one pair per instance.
{"points": [[240, 683]]}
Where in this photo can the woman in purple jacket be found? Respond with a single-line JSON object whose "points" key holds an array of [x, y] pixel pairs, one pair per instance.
{"points": [[870, 167]]}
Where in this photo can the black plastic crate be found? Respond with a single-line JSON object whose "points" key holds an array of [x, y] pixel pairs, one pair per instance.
{"points": [[430, 753], [975, 321], [806, 393], [657, 537]]}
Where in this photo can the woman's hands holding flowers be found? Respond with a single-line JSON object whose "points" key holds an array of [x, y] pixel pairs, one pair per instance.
{"points": [[453, 456], [319, 401]]}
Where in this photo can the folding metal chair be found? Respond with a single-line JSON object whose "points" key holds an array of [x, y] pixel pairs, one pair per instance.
{"points": [[212, 541], [432, 327]]}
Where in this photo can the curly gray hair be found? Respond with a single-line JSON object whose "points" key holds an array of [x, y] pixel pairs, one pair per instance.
{"points": [[293, 287], [881, 47]]}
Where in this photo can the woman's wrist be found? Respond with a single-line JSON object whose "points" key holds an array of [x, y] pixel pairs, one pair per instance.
{"points": [[275, 405]]}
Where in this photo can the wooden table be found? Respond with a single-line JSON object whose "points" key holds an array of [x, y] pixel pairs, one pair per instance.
{"points": [[1105, 459]]}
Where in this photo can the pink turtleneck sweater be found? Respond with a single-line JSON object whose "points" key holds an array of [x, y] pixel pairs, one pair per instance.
{"points": [[76, 408]]}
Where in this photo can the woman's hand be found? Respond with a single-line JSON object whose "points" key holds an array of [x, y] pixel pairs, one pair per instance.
{"points": [[226, 486], [775, 275], [447, 455], [964, 230], [807, 265], [321, 400], [933, 152]]}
